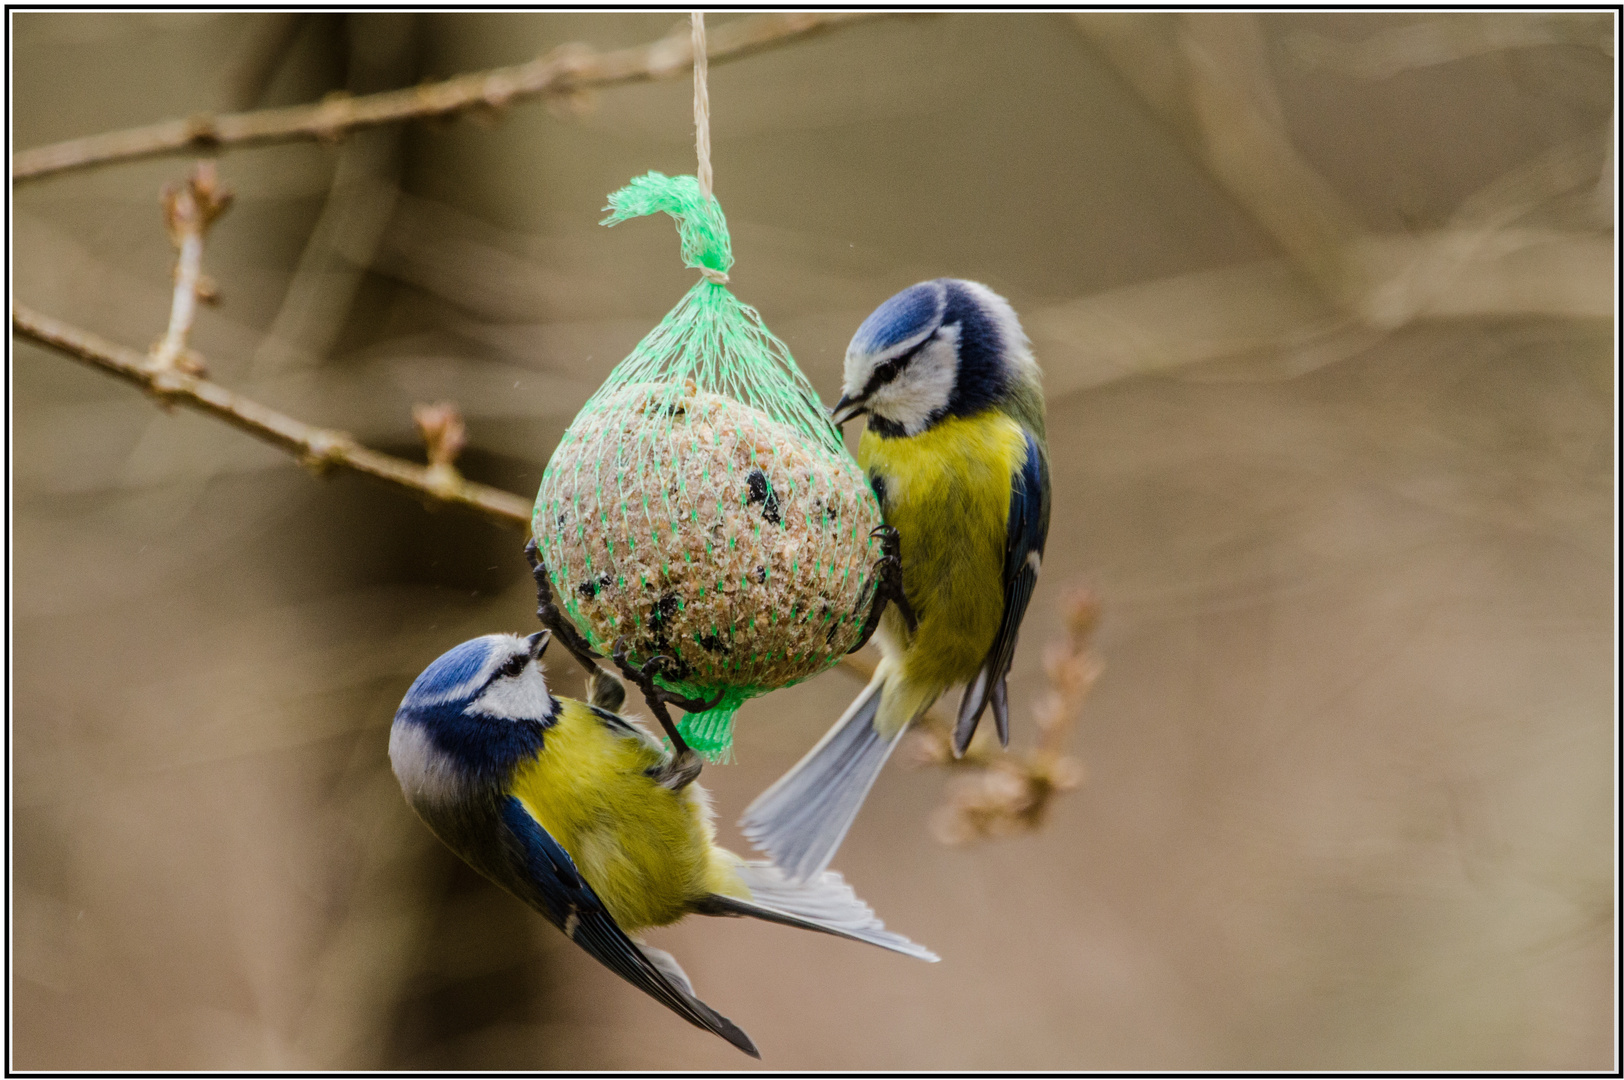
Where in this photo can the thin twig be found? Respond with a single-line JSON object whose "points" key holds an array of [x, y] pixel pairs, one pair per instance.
{"points": [[995, 795], [318, 449], [567, 70], [189, 210], [444, 436]]}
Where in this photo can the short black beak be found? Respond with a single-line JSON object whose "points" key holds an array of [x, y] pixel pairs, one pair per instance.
{"points": [[538, 643], [847, 408]]}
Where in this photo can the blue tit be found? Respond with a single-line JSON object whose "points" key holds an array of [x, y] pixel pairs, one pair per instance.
{"points": [[955, 451], [561, 803]]}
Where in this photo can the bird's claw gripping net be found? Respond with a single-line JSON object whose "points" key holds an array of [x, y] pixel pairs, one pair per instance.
{"points": [[563, 630], [887, 587]]}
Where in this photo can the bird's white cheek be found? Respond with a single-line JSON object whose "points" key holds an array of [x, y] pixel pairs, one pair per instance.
{"points": [[923, 390], [522, 698], [426, 775]]}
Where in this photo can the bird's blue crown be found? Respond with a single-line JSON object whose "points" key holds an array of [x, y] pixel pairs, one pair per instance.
{"points": [[473, 720], [987, 339]]}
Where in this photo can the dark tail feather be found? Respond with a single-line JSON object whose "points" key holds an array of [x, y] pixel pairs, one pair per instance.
{"points": [[971, 706], [1000, 710], [801, 820], [697, 1012]]}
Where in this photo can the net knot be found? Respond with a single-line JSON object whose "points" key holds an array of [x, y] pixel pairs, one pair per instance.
{"points": [[705, 243]]}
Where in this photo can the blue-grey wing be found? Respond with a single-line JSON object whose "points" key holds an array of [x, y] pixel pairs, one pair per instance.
{"points": [[1026, 532], [559, 892]]}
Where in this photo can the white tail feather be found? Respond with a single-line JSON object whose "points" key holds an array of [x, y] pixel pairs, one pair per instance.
{"points": [[668, 964], [801, 820], [826, 903]]}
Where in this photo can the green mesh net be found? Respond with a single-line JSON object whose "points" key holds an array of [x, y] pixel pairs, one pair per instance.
{"points": [[701, 506]]}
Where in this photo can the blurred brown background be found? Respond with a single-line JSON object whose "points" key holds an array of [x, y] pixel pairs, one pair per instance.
{"points": [[1324, 303]]}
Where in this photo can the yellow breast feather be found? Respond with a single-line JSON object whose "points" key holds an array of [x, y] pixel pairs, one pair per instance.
{"points": [[645, 850], [947, 493]]}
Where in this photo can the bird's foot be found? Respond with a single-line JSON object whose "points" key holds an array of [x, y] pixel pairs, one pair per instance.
{"points": [[643, 677], [684, 765], [554, 619], [887, 586]]}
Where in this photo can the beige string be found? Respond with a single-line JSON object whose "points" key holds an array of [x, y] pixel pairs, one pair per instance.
{"points": [[702, 124]]}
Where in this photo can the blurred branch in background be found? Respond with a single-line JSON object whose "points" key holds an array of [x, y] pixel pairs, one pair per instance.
{"points": [[265, 47], [1207, 77], [566, 71], [998, 794], [359, 206], [1445, 40], [1208, 80]]}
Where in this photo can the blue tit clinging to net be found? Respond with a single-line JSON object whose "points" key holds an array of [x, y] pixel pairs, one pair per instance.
{"points": [[955, 451], [562, 803]]}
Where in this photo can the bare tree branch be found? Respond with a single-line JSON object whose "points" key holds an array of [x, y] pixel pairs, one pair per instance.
{"points": [[569, 69], [1245, 145], [319, 449]]}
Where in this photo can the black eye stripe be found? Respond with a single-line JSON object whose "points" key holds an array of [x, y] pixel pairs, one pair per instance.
{"points": [[889, 370], [513, 665]]}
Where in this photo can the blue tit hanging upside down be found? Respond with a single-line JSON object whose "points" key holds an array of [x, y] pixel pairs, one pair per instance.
{"points": [[560, 803], [955, 452]]}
